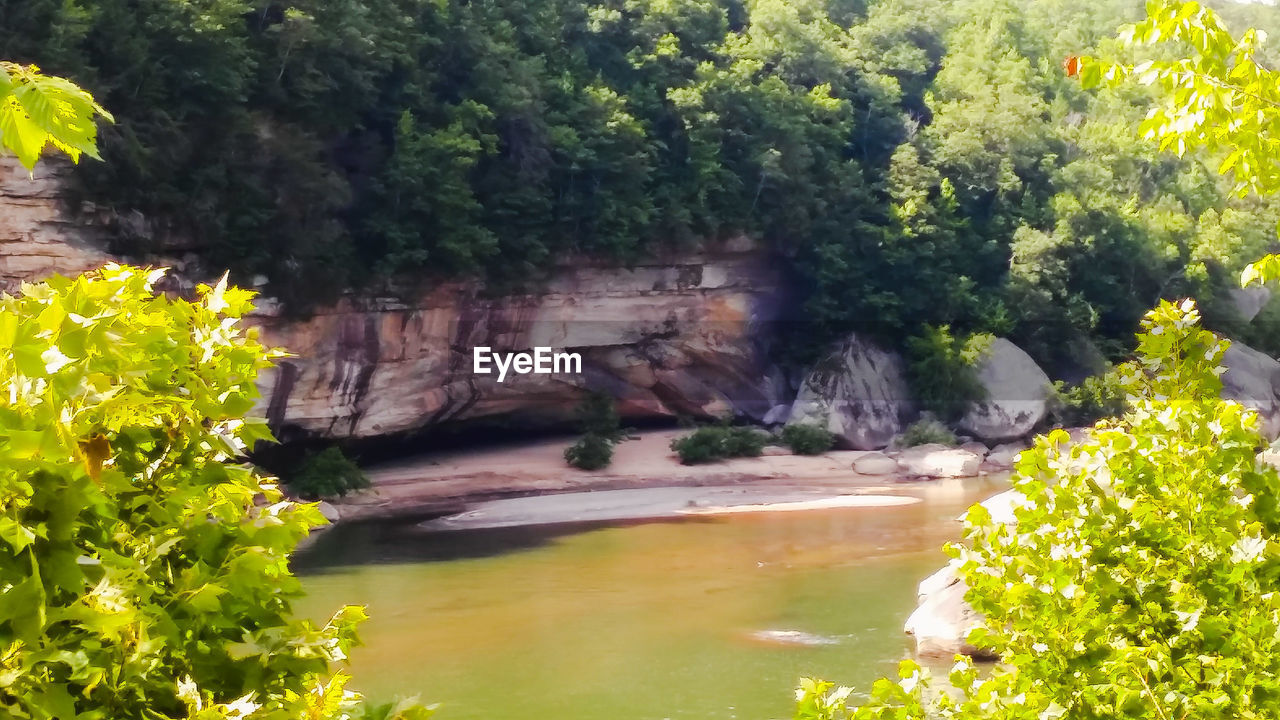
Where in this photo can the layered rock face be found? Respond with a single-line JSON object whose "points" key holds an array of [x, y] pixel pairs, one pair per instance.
{"points": [[36, 239], [686, 337]]}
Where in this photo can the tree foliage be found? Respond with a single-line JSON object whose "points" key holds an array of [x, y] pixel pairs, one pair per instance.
{"points": [[722, 441], [38, 111], [144, 565], [601, 430], [1138, 576], [913, 164]]}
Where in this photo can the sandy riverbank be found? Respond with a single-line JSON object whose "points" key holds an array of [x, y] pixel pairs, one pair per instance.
{"points": [[466, 481]]}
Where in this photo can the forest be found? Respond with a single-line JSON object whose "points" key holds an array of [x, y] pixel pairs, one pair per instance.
{"points": [[914, 164]]}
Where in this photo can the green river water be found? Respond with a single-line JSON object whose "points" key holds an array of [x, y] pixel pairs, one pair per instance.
{"points": [[640, 621]]}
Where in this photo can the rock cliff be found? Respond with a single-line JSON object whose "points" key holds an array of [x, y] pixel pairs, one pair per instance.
{"points": [[683, 335], [36, 237]]}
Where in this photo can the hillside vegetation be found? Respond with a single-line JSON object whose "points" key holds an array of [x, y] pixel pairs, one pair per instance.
{"points": [[915, 162]]}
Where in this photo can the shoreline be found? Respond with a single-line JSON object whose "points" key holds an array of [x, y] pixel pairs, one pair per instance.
{"points": [[644, 481]]}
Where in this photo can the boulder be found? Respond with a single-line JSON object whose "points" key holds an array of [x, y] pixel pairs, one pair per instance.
{"points": [[942, 620], [875, 463], [329, 512], [976, 448], [859, 393], [1252, 378], [777, 415], [1249, 301], [1005, 454], [939, 461], [1017, 393]]}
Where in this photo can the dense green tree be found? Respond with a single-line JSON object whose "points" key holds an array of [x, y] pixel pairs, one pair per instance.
{"points": [[911, 163]]}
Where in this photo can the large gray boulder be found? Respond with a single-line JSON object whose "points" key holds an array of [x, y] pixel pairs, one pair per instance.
{"points": [[1017, 393], [942, 620], [1249, 301], [859, 393], [1252, 378]]}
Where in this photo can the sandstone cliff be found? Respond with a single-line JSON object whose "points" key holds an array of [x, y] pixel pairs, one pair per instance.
{"points": [[683, 337], [677, 336]]}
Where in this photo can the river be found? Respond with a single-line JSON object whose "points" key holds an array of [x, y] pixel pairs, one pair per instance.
{"points": [[640, 621]]}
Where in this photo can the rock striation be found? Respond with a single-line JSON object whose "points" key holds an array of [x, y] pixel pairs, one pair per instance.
{"points": [[859, 393], [684, 337], [36, 237]]}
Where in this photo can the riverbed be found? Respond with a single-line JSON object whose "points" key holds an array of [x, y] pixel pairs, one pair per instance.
{"points": [[707, 616]]}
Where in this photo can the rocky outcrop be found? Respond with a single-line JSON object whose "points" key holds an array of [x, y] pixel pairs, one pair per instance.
{"points": [[1249, 301], [1006, 454], [1017, 393], [942, 620], [36, 237], [875, 463], [664, 339], [859, 393], [1252, 379]]}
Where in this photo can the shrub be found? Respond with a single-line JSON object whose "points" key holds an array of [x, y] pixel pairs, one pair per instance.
{"points": [[943, 373], [806, 439], [927, 431], [718, 442], [1138, 579], [326, 474], [145, 566], [591, 452], [744, 442], [1096, 398], [601, 430]]}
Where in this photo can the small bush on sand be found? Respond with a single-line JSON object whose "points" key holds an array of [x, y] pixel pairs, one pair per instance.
{"points": [[326, 474], [601, 430], [718, 442], [805, 439], [591, 452], [927, 431]]}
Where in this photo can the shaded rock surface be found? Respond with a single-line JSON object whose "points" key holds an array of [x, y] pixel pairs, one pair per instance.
{"points": [[1017, 393], [1252, 378], [859, 393]]}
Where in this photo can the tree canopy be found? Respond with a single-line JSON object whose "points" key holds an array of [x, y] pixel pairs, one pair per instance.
{"points": [[914, 164]]}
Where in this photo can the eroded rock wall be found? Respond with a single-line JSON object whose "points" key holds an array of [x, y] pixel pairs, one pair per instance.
{"points": [[681, 337]]}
